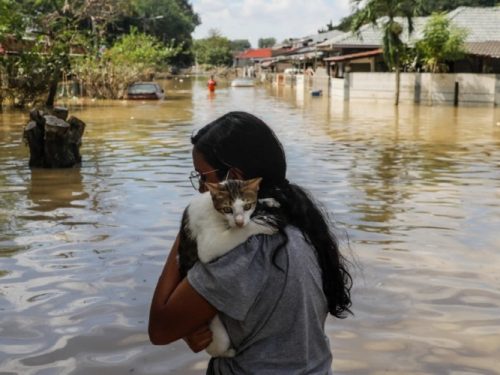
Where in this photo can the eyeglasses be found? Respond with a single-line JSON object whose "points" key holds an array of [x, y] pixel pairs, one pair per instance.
{"points": [[198, 178]]}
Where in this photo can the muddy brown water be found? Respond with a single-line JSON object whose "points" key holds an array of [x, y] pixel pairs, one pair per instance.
{"points": [[416, 190]]}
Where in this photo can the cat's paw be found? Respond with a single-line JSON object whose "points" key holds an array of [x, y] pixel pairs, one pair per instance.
{"points": [[229, 353], [260, 226], [269, 230], [216, 350]]}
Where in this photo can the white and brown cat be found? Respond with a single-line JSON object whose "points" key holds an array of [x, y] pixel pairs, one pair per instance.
{"points": [[216, 222]]}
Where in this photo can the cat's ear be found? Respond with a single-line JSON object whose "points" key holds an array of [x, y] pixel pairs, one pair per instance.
{"points": [[213, 187], [254, 183]]}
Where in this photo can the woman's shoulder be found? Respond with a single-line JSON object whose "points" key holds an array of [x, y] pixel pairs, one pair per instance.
{"points": [[289, 234], [259, 248]]}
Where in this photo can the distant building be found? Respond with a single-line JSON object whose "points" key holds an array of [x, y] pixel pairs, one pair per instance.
{"points": [[251, 57]]}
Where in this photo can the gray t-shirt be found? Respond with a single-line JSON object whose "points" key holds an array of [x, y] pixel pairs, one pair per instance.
{"points": [[274, 316]]}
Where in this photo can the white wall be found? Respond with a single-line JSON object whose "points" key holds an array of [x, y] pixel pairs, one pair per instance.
{"points": [[425, 88], [337, 88]]}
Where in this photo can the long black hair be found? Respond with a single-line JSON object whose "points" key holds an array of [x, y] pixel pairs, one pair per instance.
{"points": [[241, 140]]}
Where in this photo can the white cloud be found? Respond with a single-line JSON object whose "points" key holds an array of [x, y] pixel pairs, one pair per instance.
{"points": [[254, 19], [210, 6]]}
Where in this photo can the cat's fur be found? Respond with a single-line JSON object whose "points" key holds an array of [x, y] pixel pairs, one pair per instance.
{"points": [[209, 230]]}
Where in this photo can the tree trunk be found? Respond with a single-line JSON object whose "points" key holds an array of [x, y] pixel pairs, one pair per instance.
{"points": [[53, 142], [1, 91], [52, 91]]}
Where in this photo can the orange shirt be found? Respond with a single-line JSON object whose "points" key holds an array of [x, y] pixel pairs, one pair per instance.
{"points": [[211, 84]]}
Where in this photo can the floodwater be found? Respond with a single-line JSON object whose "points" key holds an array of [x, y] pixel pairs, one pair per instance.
{"points": [[416, 190]]}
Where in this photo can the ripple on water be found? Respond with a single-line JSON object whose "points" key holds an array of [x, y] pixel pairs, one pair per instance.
{"points": [[415, 190]]}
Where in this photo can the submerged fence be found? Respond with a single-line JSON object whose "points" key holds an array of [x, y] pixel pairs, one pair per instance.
{"points": [[424, 88], [421, 88]]}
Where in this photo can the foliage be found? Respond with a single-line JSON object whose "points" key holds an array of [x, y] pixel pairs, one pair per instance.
{"points": [[392, 30], [170, 21], [133, 57], [266, 42], [240, 45], [56, 29], [441, 42], [25, 78], [40, 55], [329, 27], [345, 23], [139, 48], [45, 33], [425, 8], [214, 50], [102, 79], [10, 18], [409, 60]]}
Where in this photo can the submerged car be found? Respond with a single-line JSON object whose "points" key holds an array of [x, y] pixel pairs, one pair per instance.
{"points": [[145, 90]]}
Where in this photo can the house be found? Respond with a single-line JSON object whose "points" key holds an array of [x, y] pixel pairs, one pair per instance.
{"points": [[299, 52], [483, 39], [251, 57], [248, 62], [361, 52]]}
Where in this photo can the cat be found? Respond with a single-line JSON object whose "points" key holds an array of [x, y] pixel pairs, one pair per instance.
{"points": [[214, 223]]}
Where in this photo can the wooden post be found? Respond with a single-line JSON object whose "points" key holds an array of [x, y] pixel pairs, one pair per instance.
{"points": [[418, 87], [455, 97], [347, 83]]}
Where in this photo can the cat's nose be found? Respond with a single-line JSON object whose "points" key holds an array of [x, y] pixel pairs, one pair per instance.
{"points": [[239, 220]]}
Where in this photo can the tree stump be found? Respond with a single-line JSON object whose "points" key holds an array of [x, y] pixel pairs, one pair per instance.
{"points": [[53, 141]]}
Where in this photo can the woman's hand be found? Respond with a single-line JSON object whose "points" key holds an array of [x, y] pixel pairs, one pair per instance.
{"points": [[177, 310], [200, 339]]}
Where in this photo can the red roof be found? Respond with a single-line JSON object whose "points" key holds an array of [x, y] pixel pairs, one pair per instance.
{"points": [[259, 53]]}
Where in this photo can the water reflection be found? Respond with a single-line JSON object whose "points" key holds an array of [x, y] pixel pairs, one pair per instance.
{"points": [[56, 188], [416, 188]]}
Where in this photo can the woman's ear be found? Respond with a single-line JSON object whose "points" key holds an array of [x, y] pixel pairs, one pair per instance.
{"points": [[235, 174]]}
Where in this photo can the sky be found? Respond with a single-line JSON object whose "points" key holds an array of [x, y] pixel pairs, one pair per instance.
{"points": [[254, 19]]}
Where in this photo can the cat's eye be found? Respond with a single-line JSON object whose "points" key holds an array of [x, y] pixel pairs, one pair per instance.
{"points": [[227, 210], [247, 206]]}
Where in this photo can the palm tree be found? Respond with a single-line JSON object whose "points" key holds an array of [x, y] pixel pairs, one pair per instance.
{"points": [[383, 14]]}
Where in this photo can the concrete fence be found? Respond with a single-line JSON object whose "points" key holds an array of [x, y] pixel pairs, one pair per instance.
{"points": [[424, 88]]}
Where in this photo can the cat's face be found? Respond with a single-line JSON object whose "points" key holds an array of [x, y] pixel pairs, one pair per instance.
{"points": [[235, 199]]}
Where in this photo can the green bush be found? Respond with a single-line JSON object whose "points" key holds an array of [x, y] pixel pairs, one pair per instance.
{"points": [[135, 56], [441, 42], [24, 78], [213, 51]]}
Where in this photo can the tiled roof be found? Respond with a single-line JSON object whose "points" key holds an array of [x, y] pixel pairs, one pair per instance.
{"points": [[490, 48], [371, 36], [481, 24], [321, 37], [255, 53]]}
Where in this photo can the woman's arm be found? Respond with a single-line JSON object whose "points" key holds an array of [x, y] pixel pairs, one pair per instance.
{"points": [[177, 310]]}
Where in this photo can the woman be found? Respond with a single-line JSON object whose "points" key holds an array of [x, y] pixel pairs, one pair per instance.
{"points": [[272, 293]]}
